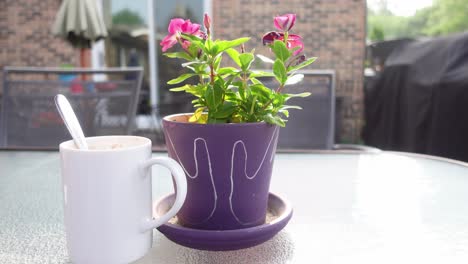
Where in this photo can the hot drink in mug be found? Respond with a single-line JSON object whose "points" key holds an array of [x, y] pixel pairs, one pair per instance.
{"points": [[107, 198]]}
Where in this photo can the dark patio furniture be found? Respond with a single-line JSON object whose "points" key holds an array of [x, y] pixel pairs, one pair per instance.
{"points": [[419, 101], [29, 118], [313, 127]]}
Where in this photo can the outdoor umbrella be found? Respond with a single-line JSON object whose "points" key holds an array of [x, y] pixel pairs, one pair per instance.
{"points": [[81, 23]]}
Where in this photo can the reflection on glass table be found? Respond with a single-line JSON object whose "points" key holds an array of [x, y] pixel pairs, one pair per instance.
{"points": [[349, 207]]}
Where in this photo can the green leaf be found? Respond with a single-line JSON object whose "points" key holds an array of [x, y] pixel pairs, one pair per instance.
{"points": [[193, 63], [191, 38], [234, 56], [290, 107], [240, 88], [197, 90], [195, 41], [222, 45], [265, 59], [246, 60], [302, 65], [210, 46], [281, 51], [181, 78], [289, 96], [196, 115], [274, 120], [194, 50], [293, 79], [179, 55], [261, 91], [279, 99], [230, 80], [231, 97], [180, 89], [214, 94], [225, 111], [255, 80], [280, 71], [256, 73], [227, 70], [299, 95], [217, 62], [284, 112]]}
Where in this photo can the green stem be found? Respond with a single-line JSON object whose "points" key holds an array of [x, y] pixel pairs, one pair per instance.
{"points": [[212, 74], [253, 104], [201, 78], [278, 90]]}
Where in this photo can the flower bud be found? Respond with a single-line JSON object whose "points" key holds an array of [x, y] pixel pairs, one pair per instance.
{"points": [[298, 60], [285, 22], [207, 23]]}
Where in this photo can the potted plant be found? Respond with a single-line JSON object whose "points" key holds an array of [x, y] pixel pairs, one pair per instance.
{"points": [[227, 145]]}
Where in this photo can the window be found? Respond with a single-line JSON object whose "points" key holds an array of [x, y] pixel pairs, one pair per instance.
{"points": [[128, 45]]}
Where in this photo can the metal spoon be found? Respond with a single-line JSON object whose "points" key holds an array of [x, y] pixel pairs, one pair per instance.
{"points": [[70, 120]]}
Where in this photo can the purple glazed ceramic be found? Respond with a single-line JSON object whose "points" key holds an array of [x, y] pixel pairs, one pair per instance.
{"points": [[228, 239], [228, 169]]}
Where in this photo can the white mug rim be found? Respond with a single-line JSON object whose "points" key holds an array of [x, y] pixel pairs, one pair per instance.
{"points": [[69, 145]]}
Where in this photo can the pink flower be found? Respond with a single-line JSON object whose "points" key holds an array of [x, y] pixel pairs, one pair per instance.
{"points": [[285, 22], [270, 37], [292, 42], [176, 27]]}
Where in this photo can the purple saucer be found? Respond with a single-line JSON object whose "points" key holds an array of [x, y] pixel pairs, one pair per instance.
{"points": [[279, 214]]}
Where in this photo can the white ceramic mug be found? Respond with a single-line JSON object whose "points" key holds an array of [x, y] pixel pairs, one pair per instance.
{"points": [[108, 198]]}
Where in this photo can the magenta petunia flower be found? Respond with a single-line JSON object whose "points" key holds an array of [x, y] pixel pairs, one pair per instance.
{"points": [[176, 27], [292, 42], [269, 37], [285, 22]]}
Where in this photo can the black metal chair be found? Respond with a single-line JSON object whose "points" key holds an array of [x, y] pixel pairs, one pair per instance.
{"points": [[313, 127], [29, 118]]}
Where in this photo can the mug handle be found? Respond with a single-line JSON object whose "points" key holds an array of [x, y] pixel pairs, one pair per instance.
{"points": [[181, 185]]}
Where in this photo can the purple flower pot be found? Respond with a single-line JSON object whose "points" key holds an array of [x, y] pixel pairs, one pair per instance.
{"points": [[228, 169]]}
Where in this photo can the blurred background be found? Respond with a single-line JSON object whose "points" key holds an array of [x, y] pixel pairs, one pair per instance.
{"points": [[396, 69]]}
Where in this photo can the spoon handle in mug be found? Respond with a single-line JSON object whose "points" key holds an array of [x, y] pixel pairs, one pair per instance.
{"points": [[70, 120]]}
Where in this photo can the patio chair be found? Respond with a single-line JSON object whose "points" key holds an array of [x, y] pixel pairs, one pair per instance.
{"points": [[29, 118], [312, 127]]}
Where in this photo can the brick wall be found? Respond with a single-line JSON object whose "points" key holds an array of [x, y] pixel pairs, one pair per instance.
{"points": [[333, 30], [26, 38]]}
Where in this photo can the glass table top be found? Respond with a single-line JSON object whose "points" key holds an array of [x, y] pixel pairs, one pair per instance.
{"points": [[348, 208]]}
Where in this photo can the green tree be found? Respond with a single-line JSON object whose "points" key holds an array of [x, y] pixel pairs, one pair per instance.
{"points": [[391, 26], [447, 16], [443, 17], [417, 24], [377, 33], [127, 17]]}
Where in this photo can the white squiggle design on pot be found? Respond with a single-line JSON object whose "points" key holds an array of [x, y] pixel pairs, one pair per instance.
{"points": [[272, 156], [275, 133], [194, 176]]}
